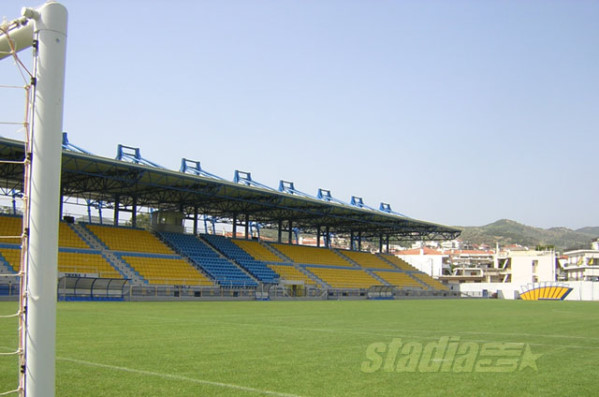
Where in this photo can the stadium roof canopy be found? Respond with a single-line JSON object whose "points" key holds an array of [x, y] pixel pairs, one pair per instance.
{"points": [[129, 185]]}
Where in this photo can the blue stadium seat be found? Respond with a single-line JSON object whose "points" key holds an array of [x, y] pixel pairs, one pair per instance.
{"points": [[225, 272], [256, 268]]}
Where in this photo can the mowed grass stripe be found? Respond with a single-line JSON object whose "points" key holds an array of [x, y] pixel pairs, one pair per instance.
{"points": [[310, 348]]}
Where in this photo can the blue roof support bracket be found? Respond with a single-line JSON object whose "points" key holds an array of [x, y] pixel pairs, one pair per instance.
{"points": [[15, 194], [212, 221], [358, 202], [194, 167], [289, 187], [387, 208], [326, 195], [245, 178], [97, 205], [296, 233], [133, 155], [257, 227], [66, 145]]}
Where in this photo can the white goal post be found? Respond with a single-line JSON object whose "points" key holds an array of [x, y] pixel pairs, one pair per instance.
{"points": [[44, 29]]}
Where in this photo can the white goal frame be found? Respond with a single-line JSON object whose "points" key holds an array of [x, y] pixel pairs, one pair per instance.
{"points": [[45, 30]]}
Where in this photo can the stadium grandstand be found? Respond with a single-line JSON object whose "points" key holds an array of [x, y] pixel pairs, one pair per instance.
{"points": [[169, 256]]}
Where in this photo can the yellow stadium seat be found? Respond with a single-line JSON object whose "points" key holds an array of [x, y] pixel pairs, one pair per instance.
{"points": [[367, 260], [399, 279], [400, 263], [431, 282], [11, 226], [13, 257], [257, 251], [344, 278], [312, 255], [75, 262], [291, 273], [68, 238], [69, 262], [167, 271], [130, 240]]}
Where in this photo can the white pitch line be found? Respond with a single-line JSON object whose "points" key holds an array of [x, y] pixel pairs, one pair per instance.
{"points": [[178, 377], [589, 338], [434, 336]]}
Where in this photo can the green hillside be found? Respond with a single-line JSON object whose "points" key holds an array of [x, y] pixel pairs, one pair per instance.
{"points": [[506, 232]]}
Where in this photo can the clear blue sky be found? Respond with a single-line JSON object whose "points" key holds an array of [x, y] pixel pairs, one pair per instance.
{"points": [[454, 112]]}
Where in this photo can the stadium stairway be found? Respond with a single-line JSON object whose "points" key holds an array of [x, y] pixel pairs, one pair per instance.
{"points": [[123, 268], [88, 236], [346, 258], [294, 273], [85, 260], [343, 277], [5, 267], [308, 255], [424, 279], [415, 275], [313, 276], [256, 268], [276, 252], [376, 276], [287, 260], [301, 268], [161, 269], [94, 242], [208, 260], [397, 263], [259, 251], [430, 282], [229, 260], [271, 248], [351, 260], [399, 279]]}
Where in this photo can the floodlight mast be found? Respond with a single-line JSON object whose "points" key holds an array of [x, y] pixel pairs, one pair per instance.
{"points": [[48, 40]]}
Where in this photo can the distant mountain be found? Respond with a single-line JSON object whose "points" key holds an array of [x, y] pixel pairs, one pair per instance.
{"points": [[507, 232], [589, 230]]}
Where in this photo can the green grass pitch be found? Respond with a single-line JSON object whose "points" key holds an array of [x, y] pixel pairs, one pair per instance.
{"points": [[316, 348]]}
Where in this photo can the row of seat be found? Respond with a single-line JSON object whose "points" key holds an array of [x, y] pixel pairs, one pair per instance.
{"points": [[311, 255], [170, 271], [344, 278], [337, 268], [67, 237], [397, 271], [289, 272], [68, 262], [428, 280], [367, 260], [127, 239], [400, 263], [399, 279], [258, 251], [219, 268], [13, 226], [255, 267]]}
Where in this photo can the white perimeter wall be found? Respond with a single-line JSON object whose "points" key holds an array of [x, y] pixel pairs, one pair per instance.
{"points": [[582, 290]]}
